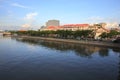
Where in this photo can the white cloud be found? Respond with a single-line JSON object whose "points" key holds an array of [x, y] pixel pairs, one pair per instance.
{"points": [[98, 19], [30, 20], [113, 19], [112, 25], [95, 19], [112, 22], [19, 5], [30, 16], [26, 25]]}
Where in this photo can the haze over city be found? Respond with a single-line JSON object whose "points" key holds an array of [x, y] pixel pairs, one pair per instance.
{"points": [[18, 14]]}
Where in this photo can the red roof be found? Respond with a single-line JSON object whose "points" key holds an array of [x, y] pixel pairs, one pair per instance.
{"points": [[76, 25], [22, 30], [66, 26], [53, 27]]}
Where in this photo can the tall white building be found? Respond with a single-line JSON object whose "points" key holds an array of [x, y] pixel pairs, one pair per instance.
{"points": [[53, 23]]}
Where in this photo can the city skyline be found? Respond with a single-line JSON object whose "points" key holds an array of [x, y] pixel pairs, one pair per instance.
{"points": [[36, 12]]}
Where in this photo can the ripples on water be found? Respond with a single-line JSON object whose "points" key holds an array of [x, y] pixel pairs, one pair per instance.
{"points": [[46, 60]]}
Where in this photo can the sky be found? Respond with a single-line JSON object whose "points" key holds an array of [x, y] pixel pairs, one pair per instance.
{"points": [[19, 14]]}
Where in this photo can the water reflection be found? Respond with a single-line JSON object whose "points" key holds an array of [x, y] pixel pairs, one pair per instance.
{"points": [[80, 50], [118, 65], [47, 60], [103, 52]]}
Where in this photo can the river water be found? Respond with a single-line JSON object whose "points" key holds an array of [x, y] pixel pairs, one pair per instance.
{"points": [[46, 60]]}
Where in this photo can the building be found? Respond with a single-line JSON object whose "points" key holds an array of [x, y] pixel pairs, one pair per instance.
{"points": [[103, 25], [99, 31], [50, 28], [6, 34], [74, 27], [53, 23]]}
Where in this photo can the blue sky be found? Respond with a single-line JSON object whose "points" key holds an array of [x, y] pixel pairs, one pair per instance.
{"points": [[24, 13]]}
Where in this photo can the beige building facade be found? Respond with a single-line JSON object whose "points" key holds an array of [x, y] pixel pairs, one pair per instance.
{"points": [[53, 23]]}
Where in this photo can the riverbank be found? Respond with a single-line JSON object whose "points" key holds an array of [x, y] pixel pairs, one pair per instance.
{"points": [[93, 43]]}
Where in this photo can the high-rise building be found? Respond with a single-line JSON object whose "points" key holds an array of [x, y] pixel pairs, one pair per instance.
{"points": [[53, 23]]}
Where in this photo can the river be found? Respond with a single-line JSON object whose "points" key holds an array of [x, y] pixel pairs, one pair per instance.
{"points": [[46, 60]]}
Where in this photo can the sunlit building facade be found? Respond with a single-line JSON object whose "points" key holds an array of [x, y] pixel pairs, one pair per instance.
{"points": [[53, 25]]}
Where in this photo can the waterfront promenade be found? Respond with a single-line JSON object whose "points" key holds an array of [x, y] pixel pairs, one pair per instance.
{"points": [[80, 42]]}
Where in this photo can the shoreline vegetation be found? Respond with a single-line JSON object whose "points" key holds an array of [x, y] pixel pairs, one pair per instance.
{"points": [[78, 42], [86, 37]]}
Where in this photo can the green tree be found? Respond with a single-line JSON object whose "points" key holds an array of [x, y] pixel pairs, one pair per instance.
{"points": [[113, 33], [104, 35]]}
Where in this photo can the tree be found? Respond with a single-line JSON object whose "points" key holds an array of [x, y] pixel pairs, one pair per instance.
{"points": [[113, 33], [104, 35]]}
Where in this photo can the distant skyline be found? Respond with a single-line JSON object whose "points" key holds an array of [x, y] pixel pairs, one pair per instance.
{"points": [[18, 14]]}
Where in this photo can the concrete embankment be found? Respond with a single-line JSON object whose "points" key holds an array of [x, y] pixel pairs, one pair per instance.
{"points": [[93, 43]]}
